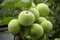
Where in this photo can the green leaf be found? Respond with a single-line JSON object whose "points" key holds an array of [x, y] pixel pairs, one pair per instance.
{"points": [[57, 34], [58, 6], [51, 1], [5, 21], [6, 4], [24, 31], [57, 38], [24, 3], [39, 1]]}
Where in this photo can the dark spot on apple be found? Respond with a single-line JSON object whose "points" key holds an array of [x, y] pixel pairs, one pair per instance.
{"points": [[26, 12]]}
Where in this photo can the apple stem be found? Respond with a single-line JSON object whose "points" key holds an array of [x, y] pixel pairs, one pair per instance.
{"points": [[14, 37]]}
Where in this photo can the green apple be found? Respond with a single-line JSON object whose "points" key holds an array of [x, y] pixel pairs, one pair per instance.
{"points": [[44, 37], [47, 26], [14, 26], [26, 18], [41, 19], [43, 9], [35, 12], [36, 31], [57, 38]]}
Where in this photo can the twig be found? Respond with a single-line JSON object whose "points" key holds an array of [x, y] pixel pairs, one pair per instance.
{"points": [[14, 37]]}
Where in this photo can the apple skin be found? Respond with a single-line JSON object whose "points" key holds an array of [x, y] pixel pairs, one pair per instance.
{"points": [[36, 31], [44, 37], [47, 26], [26, 18], [35, 12], [43, 9], [14, 26], [41, 19]]}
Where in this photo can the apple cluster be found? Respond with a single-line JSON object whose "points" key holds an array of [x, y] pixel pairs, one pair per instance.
{"points": [[34, 19]]}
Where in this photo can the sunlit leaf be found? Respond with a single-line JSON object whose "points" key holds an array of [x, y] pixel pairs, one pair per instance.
{"points": [[6, 20]]}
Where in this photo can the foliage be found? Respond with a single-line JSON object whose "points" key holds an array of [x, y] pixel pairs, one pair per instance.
{"points": [[54, 15]]}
